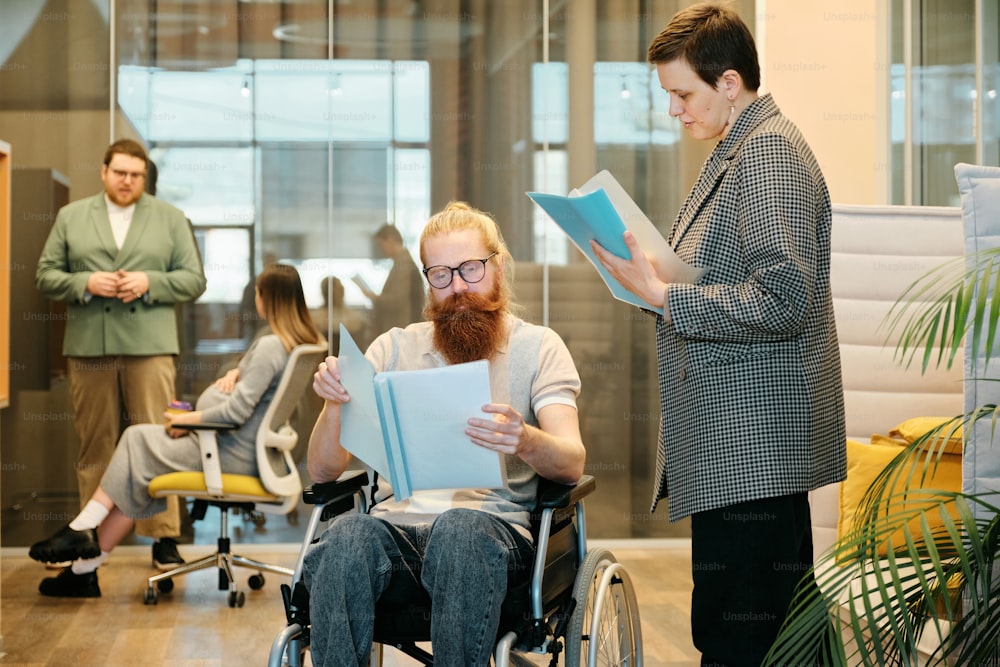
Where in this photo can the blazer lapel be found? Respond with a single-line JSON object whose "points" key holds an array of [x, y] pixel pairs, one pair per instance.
{"points": [[718, 162], [708, 181], [98, 218]]}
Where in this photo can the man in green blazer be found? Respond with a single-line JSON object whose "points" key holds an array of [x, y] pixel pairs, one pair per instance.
{"points": [[121, 260]]}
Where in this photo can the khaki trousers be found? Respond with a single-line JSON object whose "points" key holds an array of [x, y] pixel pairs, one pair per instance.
{"points": [[108, 394]]}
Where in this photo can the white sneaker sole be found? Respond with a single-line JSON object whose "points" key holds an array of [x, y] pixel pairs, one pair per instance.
{"points": [[58, 566]]}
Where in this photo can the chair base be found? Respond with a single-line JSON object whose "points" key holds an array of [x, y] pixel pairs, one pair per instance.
{"points": [[225, 561]]}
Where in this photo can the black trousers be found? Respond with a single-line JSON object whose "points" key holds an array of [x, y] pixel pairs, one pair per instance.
{"points": [[748, 560]]}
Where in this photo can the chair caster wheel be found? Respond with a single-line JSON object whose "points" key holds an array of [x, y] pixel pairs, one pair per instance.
{"points": [[165, 585], [237, 598], [150, 597], [256, 582]]}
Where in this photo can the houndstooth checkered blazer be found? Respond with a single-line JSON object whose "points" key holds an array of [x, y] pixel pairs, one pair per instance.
{"points": [[749, 367]]}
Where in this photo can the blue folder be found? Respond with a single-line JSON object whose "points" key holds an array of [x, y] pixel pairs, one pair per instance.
{"points": [[588, 217], [409, 426]]}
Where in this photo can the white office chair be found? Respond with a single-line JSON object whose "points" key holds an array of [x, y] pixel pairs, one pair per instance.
{"points": [[275, 490]]}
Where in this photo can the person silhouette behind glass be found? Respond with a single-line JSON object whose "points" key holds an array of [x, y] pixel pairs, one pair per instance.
{"points": [[335, 312], [401, 301]]}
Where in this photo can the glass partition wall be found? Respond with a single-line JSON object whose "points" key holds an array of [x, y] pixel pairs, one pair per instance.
{"points": [[944, 79], [291, 130]]}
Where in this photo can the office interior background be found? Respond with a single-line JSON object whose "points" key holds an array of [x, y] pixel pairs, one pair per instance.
{"points": [[295, 128]]}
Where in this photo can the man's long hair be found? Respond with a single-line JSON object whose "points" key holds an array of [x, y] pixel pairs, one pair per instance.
{"points": [[458, 216]]}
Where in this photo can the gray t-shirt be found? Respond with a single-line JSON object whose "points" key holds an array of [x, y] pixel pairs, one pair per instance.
{"points": [[532, 369]]}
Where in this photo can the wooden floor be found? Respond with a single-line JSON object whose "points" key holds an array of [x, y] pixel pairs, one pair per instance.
{"points": [[194, 627]]}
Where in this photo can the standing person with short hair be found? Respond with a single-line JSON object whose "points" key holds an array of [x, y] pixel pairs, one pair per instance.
{"points": [[749, 365], [121, 260]]}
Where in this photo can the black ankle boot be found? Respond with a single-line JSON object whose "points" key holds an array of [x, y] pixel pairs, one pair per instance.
{"points": [[69, 585], [67, 544]]}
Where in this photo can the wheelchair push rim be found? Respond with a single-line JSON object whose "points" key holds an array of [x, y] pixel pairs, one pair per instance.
{"points": [[604, 628]]}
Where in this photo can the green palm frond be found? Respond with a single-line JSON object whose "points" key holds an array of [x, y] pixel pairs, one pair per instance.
{"points": [[898, 575], [937, 311], [917, 561]]}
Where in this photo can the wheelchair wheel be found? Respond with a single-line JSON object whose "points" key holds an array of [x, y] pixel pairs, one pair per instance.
{"points": [[604, 628]]}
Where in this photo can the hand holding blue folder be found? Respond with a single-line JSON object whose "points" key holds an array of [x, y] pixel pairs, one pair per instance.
{"points": [[601, 210], [409, 426]]}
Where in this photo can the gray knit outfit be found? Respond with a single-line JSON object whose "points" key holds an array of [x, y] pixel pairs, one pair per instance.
{"points": [[146, 451]]}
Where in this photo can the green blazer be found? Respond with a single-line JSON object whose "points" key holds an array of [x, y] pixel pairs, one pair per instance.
{"points": [[159, 241]]}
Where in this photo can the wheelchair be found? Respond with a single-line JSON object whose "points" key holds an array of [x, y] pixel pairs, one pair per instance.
{"points": [[578, 603]]}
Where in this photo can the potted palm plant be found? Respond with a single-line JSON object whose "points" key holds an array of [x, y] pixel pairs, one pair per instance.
{"points": [[917, 578]]}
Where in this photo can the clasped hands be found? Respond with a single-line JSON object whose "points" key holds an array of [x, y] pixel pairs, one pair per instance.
{"points": [[121, 284], [506, 432]]}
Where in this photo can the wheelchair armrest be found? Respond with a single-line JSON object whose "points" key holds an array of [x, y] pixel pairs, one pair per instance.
{"points": [[206, 426], [555, 495], [349, 483]]}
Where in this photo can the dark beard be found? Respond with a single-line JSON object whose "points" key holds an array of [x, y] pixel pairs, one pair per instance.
{"points": [[470, 333]]}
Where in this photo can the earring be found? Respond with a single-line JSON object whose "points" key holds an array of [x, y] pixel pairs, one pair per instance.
{"points": [[732, 110]]}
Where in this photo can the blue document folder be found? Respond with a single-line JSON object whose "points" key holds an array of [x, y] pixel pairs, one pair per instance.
{"points": [[591, 217], [409, 426], [600, 210]]}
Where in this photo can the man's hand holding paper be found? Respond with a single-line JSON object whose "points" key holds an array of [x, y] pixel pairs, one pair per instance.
{"points": [[394, 424]]}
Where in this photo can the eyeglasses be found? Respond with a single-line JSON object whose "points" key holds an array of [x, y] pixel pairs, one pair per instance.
{"points": [[136, 175], [471, 270]]}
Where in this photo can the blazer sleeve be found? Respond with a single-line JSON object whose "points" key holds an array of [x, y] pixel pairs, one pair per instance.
{"points": [[767, 265], [53, 275]]}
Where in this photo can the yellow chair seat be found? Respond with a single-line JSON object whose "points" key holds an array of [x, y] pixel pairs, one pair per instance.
{"points": [[275, 489], [236, 488]]}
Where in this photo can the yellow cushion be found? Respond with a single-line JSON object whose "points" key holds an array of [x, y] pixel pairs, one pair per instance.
{"points": [[866, 461], [237, 485], [913, 428], [951, 446]]}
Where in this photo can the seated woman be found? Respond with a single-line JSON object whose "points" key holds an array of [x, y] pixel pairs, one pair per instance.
{"points": [[145, 451]]}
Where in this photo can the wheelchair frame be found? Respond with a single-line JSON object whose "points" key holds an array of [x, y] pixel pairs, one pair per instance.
{"points": [[593, 619]]}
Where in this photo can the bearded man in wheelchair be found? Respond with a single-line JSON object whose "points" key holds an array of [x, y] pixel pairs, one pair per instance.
{"points": [[459, 550]]}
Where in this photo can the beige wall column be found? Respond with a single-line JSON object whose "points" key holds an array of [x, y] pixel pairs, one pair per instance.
{"points": [[828, 68], [581, 53]]}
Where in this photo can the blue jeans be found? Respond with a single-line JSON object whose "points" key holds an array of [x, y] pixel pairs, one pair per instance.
{"points": [[464, 561]]}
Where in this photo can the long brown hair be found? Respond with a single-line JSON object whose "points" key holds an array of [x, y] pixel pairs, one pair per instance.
{"points": [[284, 305]]}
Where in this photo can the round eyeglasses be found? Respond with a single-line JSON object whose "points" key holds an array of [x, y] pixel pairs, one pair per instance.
{"points": [[120, 174], [471, 270]]}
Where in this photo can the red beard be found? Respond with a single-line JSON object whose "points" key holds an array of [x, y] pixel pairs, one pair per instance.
{"points": [[468, 326]]}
